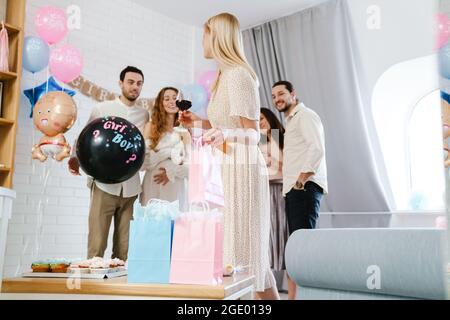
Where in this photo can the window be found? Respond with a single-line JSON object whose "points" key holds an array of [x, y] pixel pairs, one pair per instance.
{"points": [[426, 166], [407, 113]]}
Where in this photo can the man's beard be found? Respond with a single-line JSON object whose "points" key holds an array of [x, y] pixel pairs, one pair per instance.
{"points": [[132, 99], [286, 107]]}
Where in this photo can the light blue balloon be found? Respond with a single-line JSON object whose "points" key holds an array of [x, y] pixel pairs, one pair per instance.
{"points": [[417, 201], [36, 53], [202, 113], [198, 95], [444, 61]]}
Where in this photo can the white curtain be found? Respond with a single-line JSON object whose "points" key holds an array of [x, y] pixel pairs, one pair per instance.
{"points": [[315, 49]]}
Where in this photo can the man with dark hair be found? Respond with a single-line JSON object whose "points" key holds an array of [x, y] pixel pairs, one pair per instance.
{"points": [[110, 201], [130, 69], [304, 164], [289, 87]]}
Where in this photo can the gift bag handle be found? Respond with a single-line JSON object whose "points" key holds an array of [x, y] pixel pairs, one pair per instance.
{"points": [[156, 201], [198, 143], [205, 206]]}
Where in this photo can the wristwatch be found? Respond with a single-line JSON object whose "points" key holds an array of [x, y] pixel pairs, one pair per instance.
{"points": [[299, 185]]}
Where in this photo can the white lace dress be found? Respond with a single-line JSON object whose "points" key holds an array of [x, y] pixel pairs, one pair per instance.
{"points": [[245, 179]]}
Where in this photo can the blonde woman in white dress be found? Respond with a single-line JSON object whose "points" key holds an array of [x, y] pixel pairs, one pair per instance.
{"points": [[167, 163], [233, 124]]}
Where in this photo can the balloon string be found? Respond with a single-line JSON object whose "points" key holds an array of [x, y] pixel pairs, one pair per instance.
{"points": [[40, 212], [33, 166], [34, 131], [38, 238], [19, 266], [34, 86], [46, 88]]}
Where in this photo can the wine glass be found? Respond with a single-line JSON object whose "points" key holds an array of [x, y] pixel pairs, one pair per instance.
{"points": [[182, 105]]}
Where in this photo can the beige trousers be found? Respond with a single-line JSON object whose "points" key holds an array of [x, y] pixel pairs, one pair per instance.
{"points": [[105, 207]]}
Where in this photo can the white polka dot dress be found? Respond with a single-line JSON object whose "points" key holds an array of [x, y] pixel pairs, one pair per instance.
{"points": [[245, 179]]}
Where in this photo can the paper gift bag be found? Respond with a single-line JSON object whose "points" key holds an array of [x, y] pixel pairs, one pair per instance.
{"points": [[205, 177], [197, 252], [150, 243]]}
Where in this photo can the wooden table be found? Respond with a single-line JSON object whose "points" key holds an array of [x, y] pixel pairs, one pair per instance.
{"points": [[238, 287]]}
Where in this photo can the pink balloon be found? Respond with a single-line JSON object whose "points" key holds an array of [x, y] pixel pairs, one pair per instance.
{"points": [[51, 24], [443, 30], [207, 79], [441, 222], [66, 63]]}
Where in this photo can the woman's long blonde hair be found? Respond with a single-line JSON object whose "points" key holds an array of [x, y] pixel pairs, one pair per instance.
{"points": [[226, 43], [159, 115]]}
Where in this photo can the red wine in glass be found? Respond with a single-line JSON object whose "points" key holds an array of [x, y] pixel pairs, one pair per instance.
{"points": [[184, 105]]}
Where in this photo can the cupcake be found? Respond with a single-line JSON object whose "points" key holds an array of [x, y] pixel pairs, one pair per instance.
{"points": [[85, 264], [79, 267], [59, 265], [100, 267], [115, 263], [40, 266], [96, 259]]}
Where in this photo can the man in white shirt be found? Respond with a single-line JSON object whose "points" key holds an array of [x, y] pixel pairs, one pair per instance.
{"points": [[304, 164], [114, 200]]}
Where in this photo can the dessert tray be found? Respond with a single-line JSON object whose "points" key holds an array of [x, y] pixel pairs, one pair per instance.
{"points": [[80, 273], [95, 268]]}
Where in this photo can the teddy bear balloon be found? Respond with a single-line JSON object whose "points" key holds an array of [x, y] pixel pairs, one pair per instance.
{"points": [[54, 114]]}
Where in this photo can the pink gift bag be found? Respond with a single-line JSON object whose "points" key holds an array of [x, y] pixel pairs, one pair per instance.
{"points": [[205, 177], [197, 249]]}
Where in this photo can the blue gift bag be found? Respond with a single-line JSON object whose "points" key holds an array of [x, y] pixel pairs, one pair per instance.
{"points": [[150, 244]]}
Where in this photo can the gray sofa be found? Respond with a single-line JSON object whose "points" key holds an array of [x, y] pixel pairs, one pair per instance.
{"points": [[368, 263]]}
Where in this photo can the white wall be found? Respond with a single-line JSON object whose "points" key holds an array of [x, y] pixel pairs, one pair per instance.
{"points": [[113, 34], [200, 63], [405, 33]]}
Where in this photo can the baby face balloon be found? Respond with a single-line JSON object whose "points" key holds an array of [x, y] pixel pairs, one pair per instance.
{"points": [[54, 114]]}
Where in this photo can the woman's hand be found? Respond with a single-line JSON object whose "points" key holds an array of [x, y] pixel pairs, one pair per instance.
{"points": [[187, 118], [214, 137], [161, 178]]}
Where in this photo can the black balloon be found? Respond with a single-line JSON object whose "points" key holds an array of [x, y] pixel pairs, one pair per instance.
{"points": [[110, 149]]}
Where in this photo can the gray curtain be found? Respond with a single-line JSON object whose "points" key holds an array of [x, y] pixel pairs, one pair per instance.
{"points": [[315, 49]]}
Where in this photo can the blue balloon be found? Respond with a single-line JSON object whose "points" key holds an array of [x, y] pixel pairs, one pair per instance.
{"points": [[198, 95], [445, 96], [444, 61], [36, 53], [417, 201], [34, 94], [202, 113]]}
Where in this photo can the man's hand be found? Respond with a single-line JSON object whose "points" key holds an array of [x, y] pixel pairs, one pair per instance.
{"points": [[304, 177], [161, 178], [74, 166]]}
